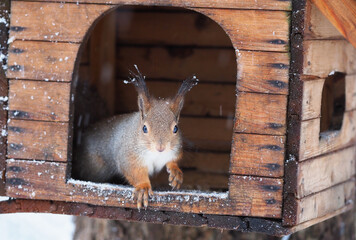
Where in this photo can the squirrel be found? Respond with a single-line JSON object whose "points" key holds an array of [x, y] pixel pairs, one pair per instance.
{"points": [[136, 145]]}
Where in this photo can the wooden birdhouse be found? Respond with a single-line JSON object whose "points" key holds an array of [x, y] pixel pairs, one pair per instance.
{"points": [[269, 131]]}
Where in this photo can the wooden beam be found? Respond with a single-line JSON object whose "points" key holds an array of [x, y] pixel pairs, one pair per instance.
{"points": [[45, 180], [37, 140], [39, 100], [313, 144], [46, 61], [247, 4], [326, 171], [261, 113], [341, 13], [257, 155]]}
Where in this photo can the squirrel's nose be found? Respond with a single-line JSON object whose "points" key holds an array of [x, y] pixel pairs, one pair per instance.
{"points": [[160, 147]]}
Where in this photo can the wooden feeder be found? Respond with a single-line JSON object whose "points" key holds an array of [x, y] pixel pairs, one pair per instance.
{"points": [[292, 160]]}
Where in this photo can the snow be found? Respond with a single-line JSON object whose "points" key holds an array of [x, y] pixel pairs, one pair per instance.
{"points": [[36, 226]]}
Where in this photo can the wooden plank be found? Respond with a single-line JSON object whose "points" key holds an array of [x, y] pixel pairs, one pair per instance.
{"points": [[4, 29], [326, 171], [254, 194], [210, 65], [209, 134], [37, 140], [42, 60], [265, 72], [206, 99], [184, 28], [261, 113], [317, 26], [312, 95], [341, 13], [37, 100], [247, 4], [319, 63], [326, 202], [254, 30], [53, 21], [257, 155], [312, 144], [44, 180], [350, 98]]}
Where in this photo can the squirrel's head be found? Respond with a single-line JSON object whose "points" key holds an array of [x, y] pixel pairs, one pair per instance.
{"points": [[159, 117]]}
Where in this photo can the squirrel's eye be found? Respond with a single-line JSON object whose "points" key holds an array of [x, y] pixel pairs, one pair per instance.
{"points": [[144, 129], [175, 129]]}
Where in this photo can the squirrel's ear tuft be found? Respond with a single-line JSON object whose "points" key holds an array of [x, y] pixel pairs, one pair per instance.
{"points": [[143, 95], [178, 101]]}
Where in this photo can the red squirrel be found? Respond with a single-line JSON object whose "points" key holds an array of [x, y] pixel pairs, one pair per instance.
{"points": [[138, 144]]}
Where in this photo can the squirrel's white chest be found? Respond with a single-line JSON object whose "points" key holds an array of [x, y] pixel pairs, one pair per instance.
{"points": [[155, 161]]}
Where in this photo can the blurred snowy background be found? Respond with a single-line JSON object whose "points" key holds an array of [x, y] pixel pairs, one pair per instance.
{"points": [[35, 226]]}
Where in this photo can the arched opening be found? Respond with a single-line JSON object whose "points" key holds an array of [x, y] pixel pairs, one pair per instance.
{"points": [[332, 103], [168, 45]]}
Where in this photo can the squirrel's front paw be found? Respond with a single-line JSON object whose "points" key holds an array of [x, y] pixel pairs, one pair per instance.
{"points": [[141, 193], [175, 177]]}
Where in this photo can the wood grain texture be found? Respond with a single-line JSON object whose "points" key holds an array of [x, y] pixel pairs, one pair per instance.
{"points": [[253, 30], [350, 97], [257, 155], [45, 180], [37, 100], [213, 162], [247, 4], [208, 64], [205, 99], [341, 13], [37, 140], [254, 193], [326, 202], [311, 145], [42, 60], [317, 26], [326, 171], [53, 21], [264, 72], [170, 27], [261, 113], [319, 63]]}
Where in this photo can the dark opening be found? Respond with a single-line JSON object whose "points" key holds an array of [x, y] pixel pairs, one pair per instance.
{"points": [[332, 103], [168, 45]]}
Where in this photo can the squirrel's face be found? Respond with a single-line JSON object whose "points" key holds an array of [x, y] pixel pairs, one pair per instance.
{"points": [[159, 128]]}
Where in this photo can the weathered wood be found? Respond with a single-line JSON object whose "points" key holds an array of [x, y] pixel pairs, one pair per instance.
{"points": [[264, 72], [4, 29], [326, 202], [213, 65], [42, 60], [252, 194], [257, 155], [206, 99], [350, 93], [37, 100], [261, 113], [317, 26], [339, 57], [253, 30], [53, 21], [312, 145], [210, 134], [312, 95], [247, 4], [149, 26], [24, 180], [326, 171], [37, 140], [342, 14]]}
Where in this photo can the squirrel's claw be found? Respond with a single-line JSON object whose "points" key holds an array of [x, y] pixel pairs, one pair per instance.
{"points": [[175, 178], [141, 193]]}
